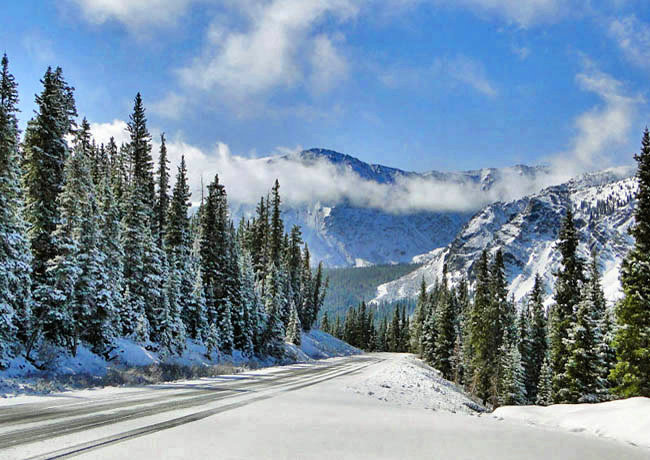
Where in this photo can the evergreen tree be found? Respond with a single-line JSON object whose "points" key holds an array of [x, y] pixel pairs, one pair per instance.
{"points": [[294, 328], [161, 208], [513, 387], [46, 151], [568, 287], [325, 324], [277, 226], [15, 254], [419, 316], [274, 331], [141, 160], [525, 350], [445, 331], [632, 339], [545, 385], [481, 328], [538, 334]]}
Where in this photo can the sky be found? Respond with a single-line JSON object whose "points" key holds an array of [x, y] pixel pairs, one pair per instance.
{"points": [[413, 84]]}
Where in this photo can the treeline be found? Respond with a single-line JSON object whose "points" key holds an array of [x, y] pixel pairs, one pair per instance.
{"points": [[349, 286], [96, 244], [361, 328], [577, 350]]}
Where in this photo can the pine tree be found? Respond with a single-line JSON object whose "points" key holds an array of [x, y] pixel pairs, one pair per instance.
{"points": [[568, 287], [277, 226], [325, 323], [545, 385], [250, 305], [481, 328], [274, 332], [583, 371], [161, 208], [15, 254], [524, 345], [46, 151], [632, 339], [419, 316], [538, 334], [140, 149], [445, 331], [294, 328], [513, 387]]}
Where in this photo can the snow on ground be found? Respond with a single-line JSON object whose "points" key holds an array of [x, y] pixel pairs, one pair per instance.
{"points": [[406, 381], [626, 420], [87, 369]]}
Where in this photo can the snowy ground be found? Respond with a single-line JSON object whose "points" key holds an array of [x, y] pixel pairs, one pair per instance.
{"points": [[627, 420], [136, 364], [308, 411], [406, 381]]}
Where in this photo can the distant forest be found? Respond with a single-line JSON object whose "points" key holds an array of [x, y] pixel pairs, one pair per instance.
{"points": [[352, 285]]}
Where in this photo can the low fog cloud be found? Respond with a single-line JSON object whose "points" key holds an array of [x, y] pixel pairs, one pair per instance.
{"points": [[246, 179]]}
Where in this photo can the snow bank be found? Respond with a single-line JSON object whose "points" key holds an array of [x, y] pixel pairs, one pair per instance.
{"points": [[626, 420], [405, 380], [87, 369]]}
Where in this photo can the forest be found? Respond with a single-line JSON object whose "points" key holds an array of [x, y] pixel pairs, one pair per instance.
{"points": [[97, 243], [578, 349]]}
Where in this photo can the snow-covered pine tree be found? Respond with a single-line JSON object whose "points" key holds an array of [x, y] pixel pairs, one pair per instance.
{"points": [[632, 340], [15, 254], [325, 323], [94, 308], [445, 330], [161, 205], [46, 151], [140, 157], [525, 348], [136, 235], [568, 286], [419, 316], [306, 288], [481, 327], [294, 328], [111, 246], [274, 332], [538, 338], [583, 370], [277, 226], [250, 305], [65, 318], [545, 385], [170, 325], [512, 385]]}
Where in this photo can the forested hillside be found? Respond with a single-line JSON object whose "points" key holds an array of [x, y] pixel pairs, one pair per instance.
{"points": [[349, 286], [96, 244]]}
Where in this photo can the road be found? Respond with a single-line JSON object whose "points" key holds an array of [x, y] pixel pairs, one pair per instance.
{"points": [[292, 412]]}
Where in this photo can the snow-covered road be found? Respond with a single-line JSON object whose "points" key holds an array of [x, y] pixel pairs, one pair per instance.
{"points": [[328, 409]]}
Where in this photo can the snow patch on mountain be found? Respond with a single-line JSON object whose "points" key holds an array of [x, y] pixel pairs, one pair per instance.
{"points": [[353, 227], [526, 230]]}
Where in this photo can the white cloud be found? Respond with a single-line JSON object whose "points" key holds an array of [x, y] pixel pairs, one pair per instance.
{"points": [[600, 130], [269, 52], [633, 38], [172, 106], [457, 70], [328, 66], [117, 129], [133, 13], [524, 13]]}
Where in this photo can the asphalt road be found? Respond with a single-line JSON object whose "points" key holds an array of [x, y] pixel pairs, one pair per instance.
{"points": [[304, 411]]}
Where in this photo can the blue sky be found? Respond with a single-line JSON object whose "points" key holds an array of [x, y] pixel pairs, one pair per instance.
{"points": [[415, 84]]}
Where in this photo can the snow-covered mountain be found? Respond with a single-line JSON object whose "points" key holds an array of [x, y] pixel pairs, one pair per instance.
{"points": [[343, 233], [526, 230]]}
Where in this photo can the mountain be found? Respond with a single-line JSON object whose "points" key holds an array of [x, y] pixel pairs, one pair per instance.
{"points": [[344, 233], [526, 230]]}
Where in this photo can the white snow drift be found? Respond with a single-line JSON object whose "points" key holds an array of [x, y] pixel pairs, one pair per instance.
{"points": [[627, 420]]}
